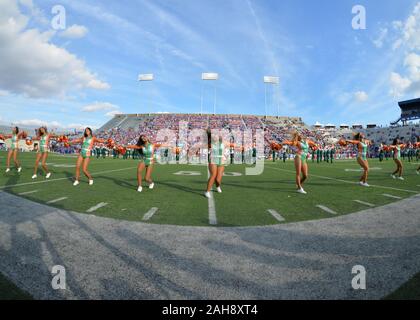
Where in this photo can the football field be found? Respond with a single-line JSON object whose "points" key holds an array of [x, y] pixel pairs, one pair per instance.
{"points": [[266, 199]]}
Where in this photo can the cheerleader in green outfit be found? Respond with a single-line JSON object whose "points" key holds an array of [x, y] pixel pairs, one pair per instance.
{"points": [[88, 141], [44, 139], [396, 148], [301, 158], [217, 163], [147, 160], [362, 147], [14, 148], [417, 146]]}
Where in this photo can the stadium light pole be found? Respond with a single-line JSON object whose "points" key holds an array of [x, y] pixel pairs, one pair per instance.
{"points": [[269, 81], [146, 77], [210, 77]]}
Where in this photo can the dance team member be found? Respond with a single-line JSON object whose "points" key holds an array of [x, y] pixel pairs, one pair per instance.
{"points": [[14, 148], [147, 160], [417, 146], [217, 163], [43, 149], [301, 159], [88, 141], [396, 149], [362, 148]]}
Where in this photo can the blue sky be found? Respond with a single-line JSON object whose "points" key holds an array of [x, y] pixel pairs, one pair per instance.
{"points": [[328, 71]]}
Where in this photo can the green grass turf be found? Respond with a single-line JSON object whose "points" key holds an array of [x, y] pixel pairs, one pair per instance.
{"points": [[8, 291], [408, 291], [244, 201]]}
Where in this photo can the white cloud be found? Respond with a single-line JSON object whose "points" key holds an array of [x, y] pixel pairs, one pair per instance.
{"points": [[99, 106], [98, 85], [399, 84], [113, 113], [347, 98], [3, 93], [409, 30], [33, 66], [407, 82], [74, 32], [361, 96], [35, 123], [381, 39], [412, 63], [397, 25], [410, 83], [271, 57]]}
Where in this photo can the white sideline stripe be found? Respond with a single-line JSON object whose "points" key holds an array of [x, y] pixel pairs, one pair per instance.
{"points": [[276, 215], [364, 203], [150, 214], [212, 207], [391, 196], [98, 206], [345, 181], [60, 179], [326, 209], [29, 192], [57, 200]]}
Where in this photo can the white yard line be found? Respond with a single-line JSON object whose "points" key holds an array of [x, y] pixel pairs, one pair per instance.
{"points": [[61, 179], [345, 181], [98, 206], [212, 207], [150, 214], [57, 200], [326, 209], [276, 215], [391, 196], [29, 192], [365, 203]]}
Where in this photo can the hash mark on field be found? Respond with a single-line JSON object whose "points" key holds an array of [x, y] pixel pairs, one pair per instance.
{"points": [[150, 214], [98, 206], [57, 200], [212, 208], [391, 196], [326, 209], [29, 192], [365, 203], [276, 215]]}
